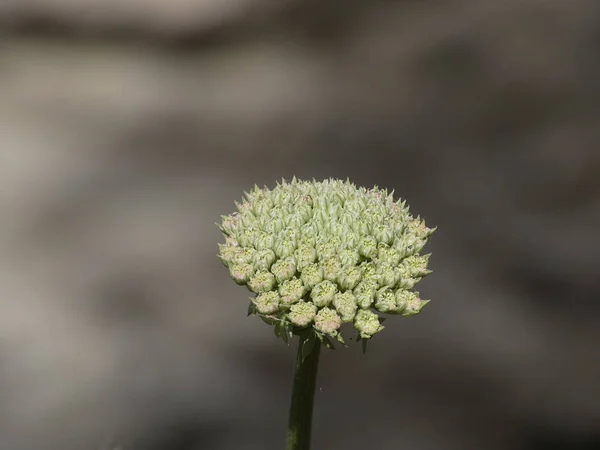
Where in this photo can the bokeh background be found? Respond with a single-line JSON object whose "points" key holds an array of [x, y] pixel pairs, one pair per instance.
{"points": [[128, 127]]}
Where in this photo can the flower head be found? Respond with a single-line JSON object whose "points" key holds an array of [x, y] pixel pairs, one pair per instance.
{"points": [[317, 254]]}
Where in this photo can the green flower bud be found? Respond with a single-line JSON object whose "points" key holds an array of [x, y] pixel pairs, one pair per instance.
{"points": [[417, 266], [367, 323], [274, 225], [369, 272], [305, 256], [264, 241], [383, 234], [247, 237], [262, 281], [247, 219], [328, 249], [284, 269], [387, 275], [367, 247], [350, 240], [408, 245], [309, 233], [264, 259], [267, 302], [405, 281], [388, 255], [327, 321], [409, 303], [302, 314], [349, 257], [363, 227], [322, 294], [284, 247], [295, 221], [345, 305], [418, 228], [227, 253], [365, 293], [229, 224], [349, 277], [331, 268], [312, 275], [244, 255], [385, 300], [241, 272], [291, 291]]}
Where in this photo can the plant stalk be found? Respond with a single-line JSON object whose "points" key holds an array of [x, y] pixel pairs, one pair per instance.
{"points": [[303, 393]]}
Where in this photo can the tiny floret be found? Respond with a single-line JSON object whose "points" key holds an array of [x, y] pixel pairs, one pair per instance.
{"points": [[319, 254]]}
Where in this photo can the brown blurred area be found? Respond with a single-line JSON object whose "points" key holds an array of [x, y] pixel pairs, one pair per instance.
{"points": [[128, 127]]}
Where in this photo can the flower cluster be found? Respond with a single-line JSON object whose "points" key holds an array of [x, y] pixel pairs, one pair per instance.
{"points": [[319, 254]]}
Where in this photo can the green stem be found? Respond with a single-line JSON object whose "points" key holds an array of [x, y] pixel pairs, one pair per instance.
{"points": [[303, 393]]}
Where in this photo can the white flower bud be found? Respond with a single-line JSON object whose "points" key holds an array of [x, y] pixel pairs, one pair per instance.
{"points": [[284, 269], [264, 259], [387, 275], [322, 294], [327, 249], [241, 272], [244, 255], [385, 300], [305, 256], [284, 247], [309, 233], [291, 291], [274, 225], [369, 272], [302, 313], [312, 275], [247, 237], [264, 241], [349, 277], [229, 224], [365, 293], [295, 221], [227, 253], [388, 255], [417, 266], [349, 257], [331, 268], [327, 321], [367, 247], [383, 234], [267, 302], [261, 282], [367, 323], [345, 305], [409, 303]]}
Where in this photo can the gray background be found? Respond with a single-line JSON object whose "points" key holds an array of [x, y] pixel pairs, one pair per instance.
{"points": [[128, 127]]}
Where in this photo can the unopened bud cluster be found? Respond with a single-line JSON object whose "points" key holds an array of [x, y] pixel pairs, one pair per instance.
{"points": [[318, 254]]}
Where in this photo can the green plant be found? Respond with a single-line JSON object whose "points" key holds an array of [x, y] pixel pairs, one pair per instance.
{"points": [[320, 254]]}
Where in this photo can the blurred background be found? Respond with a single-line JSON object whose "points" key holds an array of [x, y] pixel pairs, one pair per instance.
{"points": [[128, 127]]}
